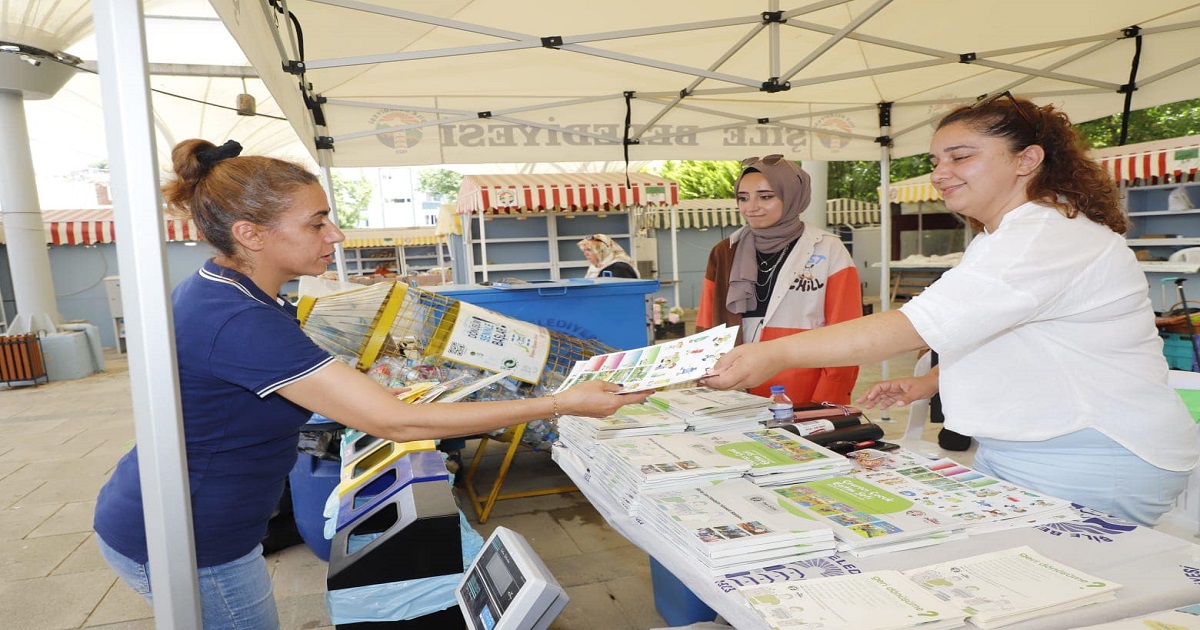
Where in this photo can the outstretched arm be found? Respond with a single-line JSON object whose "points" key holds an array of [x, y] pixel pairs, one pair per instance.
{"points": [[863, 340], [345, 395]]}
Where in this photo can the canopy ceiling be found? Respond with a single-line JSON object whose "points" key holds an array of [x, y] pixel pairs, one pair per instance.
{"points": [[467, 81]]}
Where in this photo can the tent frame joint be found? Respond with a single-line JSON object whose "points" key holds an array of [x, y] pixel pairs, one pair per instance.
{"points": [[763, 121], [323, 142], [553, 41], [487, 114], [1127, 88], [885, 141], [774, 85], [1131, 31], [968, 57], [773, 17], [294, 67]]}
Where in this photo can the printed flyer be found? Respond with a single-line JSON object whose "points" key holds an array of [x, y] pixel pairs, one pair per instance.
{"points": [[491, 341], [651, 367]]}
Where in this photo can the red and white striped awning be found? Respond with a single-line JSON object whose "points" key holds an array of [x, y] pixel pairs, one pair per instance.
{"points": [[563, 192], [90, 227], [1158, 162]]}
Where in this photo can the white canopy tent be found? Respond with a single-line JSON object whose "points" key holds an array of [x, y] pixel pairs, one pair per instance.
{"points": [[400, 82], [465, 81]]}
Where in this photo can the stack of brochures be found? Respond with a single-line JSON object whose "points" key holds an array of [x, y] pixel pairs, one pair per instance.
{"points": [[978, 503], [777, 457], [582, 433], [630, 466], [876, 600], [634, 465], [1005, 587], [869, 519], [730, 526], [709, 410]]}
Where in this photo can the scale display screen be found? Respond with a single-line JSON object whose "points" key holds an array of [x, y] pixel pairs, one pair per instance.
{"points": [[508, 587]]}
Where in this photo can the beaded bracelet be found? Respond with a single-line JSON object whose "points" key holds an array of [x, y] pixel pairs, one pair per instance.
{"points": [[554, 399]]}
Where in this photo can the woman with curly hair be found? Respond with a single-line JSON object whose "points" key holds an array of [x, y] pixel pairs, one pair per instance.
{"points": [[1048, 352]]}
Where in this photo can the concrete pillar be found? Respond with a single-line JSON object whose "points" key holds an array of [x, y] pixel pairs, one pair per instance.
{"points": [[33, 288]]}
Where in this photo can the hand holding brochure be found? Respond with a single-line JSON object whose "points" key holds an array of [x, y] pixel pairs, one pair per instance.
{"points": [[652, 367]]}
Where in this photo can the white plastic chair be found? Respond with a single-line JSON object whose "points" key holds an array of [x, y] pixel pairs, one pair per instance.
{"points": [[1186, 515], [1191, 254]]}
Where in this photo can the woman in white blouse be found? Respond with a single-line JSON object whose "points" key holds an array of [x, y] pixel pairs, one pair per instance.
{"points": [[1049, 356]]}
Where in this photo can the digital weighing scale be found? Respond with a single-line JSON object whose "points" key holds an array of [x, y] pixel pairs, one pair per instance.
{"points": [[507, 587]]}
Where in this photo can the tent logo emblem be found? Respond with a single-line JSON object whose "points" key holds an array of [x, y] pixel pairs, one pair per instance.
{"points": [[399, 141], [840, 124]]}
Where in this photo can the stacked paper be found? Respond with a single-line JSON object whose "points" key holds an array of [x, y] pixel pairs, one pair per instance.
{"points": [[876, 600], [869, 519], [978, 503], [709, 410], [582, 433], [778, 457], [627, 467], [733, 525], [1005, 587]]}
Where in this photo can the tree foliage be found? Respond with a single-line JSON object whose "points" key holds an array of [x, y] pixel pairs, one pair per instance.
{"points": [[441, 182], [702, 179], [1153, 123], [352, 197]]}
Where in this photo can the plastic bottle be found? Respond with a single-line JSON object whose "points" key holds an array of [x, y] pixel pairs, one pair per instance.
{"points": [[781, 405]]}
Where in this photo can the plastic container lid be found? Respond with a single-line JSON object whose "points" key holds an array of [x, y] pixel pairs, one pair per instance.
{"points": [[777, 389]]}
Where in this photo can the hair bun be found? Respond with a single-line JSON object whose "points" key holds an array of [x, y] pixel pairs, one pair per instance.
{"points": [[210, 156]]}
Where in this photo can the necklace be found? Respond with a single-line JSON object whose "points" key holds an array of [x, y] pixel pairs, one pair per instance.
{"points": [[762, 290], [764, 260]]}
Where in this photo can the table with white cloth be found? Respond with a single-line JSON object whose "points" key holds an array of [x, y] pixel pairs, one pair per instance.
{"points": [[1157, 571]]}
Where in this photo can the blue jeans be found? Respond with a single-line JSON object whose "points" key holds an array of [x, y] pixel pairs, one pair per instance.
{"points": [[233, 596], [1088, 468]]}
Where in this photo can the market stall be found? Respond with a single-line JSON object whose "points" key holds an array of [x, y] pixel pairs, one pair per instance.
{"points": [[526, 226]]}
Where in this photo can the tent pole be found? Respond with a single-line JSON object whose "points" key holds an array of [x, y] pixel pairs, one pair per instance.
{"points": [[325, 157], [153, 366], [885, 226], [675, 252]]}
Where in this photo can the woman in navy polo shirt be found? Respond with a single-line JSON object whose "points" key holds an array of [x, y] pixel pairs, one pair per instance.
{"points": [[250, 378]]}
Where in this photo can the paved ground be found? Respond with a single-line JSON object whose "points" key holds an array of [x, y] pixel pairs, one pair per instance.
{"points": [[59, 442]]}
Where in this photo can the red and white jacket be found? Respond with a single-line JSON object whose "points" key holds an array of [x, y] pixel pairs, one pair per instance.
{"points": [[818, 285]]}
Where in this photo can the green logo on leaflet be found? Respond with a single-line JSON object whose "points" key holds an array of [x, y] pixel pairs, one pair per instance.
{"points": [[864, 497], [756, 454]]}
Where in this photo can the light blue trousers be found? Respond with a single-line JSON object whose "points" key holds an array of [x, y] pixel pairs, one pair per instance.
{"points": [[233, 596], [1088, 468]]}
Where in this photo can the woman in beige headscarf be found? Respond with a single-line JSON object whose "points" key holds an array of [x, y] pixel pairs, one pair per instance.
{"points": [[606, 258], [776, 277]]}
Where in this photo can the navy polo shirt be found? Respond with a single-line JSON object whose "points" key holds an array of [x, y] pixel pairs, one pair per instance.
{"points": [[236, 347]]}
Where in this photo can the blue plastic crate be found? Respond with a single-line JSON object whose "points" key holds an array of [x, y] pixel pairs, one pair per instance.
{"points": [[1178, 351], [611, 310], [674, 601]]}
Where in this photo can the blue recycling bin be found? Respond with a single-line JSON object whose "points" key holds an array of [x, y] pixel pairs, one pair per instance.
{"points": [[312, 480], [611, 310], [674, 601]]}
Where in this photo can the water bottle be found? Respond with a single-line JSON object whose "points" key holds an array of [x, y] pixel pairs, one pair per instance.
{"points": [[781, 405]]}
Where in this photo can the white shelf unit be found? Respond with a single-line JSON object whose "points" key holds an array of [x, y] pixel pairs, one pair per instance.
{"points": [[401, 259], [539, 246], [1160, 232]]}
